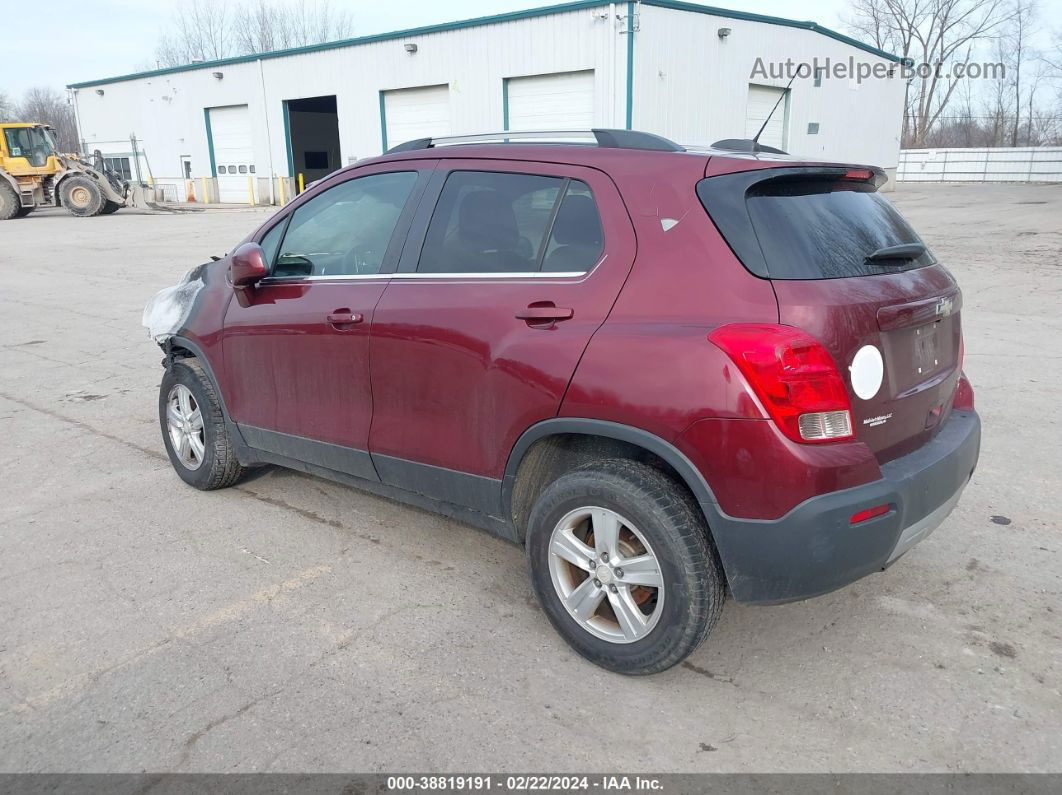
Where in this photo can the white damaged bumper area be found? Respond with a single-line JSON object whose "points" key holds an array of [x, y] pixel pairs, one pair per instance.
{"points": [[167, 311]]}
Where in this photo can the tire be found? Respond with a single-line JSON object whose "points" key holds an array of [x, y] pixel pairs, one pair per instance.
{"points": [[82, 196], [110, 207], [9, 201], [210, 463], [656, 518]]}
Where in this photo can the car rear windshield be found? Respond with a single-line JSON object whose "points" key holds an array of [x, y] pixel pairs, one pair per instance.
{"points": [[811, 228]]}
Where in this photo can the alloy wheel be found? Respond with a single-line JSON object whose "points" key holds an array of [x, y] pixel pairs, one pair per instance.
{"points": [[607, 576], [184, 423]]}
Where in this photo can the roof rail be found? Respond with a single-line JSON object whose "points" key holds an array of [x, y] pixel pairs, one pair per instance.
{"points": [[605, 138], [746, 145]]}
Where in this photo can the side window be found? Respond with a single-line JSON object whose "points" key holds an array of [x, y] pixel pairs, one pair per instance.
{"points": [[578, 239], [271, 242], [490, 222], [346, 229], [493, 222]]}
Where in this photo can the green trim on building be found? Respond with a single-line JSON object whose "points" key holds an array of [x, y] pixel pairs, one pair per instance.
{"points": [[383, 122], [505, 103], [210, 142], [490, 20], [630, 64], [287, 139], [677, 5]]}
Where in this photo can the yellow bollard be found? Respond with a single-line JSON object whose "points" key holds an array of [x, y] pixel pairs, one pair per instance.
{"points": [[302, 185], [206, 193], [280, 184], [250, 190]]}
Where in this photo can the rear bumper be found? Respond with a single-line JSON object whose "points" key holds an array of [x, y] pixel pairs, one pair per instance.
{"points": [[813, 549]]}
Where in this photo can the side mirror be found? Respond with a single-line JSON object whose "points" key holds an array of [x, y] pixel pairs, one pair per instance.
{"points": [[247, 265]]}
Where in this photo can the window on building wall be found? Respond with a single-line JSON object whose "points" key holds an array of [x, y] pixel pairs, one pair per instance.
{"points": [[119, 165]]}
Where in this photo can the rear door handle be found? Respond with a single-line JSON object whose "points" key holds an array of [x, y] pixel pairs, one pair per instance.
{"points": [[542, 314], [344, 317]]}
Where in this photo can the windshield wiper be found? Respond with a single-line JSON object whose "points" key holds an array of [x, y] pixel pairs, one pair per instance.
{"points": [[904, 251]]}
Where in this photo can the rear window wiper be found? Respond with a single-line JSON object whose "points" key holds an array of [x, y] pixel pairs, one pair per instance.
{"points": [[904, 251]]}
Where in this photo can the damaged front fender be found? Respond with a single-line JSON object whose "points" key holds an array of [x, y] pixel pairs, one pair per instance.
{"points": [[168, 311]]}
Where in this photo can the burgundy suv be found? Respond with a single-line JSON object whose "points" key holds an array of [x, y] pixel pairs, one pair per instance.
{"points": [[669, 373]]}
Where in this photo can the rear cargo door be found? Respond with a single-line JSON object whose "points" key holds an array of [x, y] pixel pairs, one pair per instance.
{"points": [[892, 324], [847, 268]]}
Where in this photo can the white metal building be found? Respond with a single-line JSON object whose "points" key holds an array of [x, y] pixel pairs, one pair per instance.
{"points": [[681, 70]]}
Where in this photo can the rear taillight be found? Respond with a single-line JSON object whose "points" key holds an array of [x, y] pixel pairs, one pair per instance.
{"points": [[794, 377], [964, 392]]}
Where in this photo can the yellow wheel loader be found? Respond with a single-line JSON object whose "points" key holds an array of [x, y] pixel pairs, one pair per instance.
{"points": [[33, 173]]}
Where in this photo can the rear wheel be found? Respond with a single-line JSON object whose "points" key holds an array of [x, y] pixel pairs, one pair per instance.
{"points": [[9, 201], [621, 561], [110, 207], [193, 428], [82, 196]]}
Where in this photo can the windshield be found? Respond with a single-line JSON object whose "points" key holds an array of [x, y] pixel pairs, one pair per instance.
{"points": [[33, 143]]}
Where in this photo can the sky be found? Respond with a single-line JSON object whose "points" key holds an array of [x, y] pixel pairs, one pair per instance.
{"points": [[124, 32]]}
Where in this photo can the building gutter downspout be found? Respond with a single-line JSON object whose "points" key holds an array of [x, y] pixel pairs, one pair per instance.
{"points": [[269, 138], [630, 63], [77, 120]]}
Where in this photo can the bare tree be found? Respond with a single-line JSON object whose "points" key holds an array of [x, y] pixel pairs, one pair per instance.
{"points": [[315, 22], [48, 106], [998, 106], [7, 108], [259, 27], [200, 32], [207, 31], [1016, 52], [1053, 57], [933, 33]]}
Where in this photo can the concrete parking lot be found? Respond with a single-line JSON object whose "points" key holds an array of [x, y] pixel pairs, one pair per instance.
{"points": [[292, 624]]}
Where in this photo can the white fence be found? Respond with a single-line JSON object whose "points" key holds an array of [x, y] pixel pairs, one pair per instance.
{"points": [[1021, 164]]}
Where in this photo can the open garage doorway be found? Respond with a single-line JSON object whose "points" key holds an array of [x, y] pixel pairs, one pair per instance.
{"points": [[313, 137]]}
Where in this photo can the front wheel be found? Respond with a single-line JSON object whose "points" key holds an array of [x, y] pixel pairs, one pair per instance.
{"points": [[10, 206], [193, 428], [82, 196], [622, 564]]}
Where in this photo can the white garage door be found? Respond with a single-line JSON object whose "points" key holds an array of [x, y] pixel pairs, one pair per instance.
{"points": [[412, 113], [562, 101], [761, 100], [230, 130]]}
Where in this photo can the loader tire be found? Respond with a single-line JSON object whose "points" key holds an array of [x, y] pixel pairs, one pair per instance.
{"points": [[109, 207], [9, 201], [82, 196]]}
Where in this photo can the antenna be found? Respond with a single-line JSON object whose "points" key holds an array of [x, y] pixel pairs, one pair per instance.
{"points": [[756, 138]]}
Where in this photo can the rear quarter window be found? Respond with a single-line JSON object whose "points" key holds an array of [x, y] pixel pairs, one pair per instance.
{"points": [[803, 227]]}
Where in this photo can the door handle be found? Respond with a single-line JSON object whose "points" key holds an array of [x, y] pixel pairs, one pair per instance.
{"points": [[344, 317], [544, 314]]}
